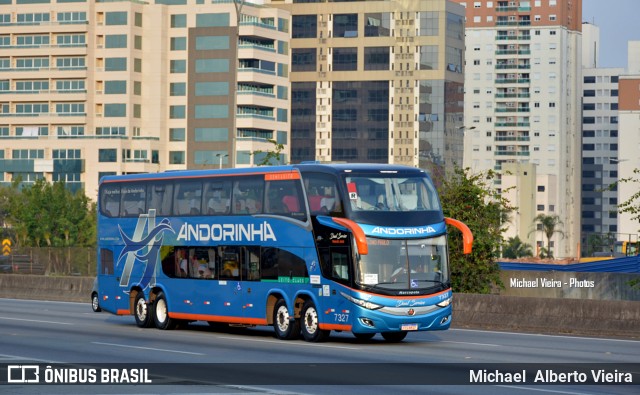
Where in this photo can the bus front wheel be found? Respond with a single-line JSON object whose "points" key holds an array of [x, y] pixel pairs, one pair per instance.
{"points": [[142, 312], [161, 316], [310, 324], [364, 336], [394, 337], [286, 327]]}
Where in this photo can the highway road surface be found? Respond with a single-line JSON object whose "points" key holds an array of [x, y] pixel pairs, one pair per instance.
{"points": [[107, 354]]}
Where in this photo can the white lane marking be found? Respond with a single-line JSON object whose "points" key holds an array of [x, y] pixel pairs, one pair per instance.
{"points": [[475, 344], [542, 390], [38, 321], [543, 335], [147, 348], [323, 345]]}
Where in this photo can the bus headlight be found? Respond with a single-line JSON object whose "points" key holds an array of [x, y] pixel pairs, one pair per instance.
{"points": [[444, 303], [362, 303]]}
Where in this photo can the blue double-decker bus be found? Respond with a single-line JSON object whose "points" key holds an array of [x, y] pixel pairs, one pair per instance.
{"points": [[306, 248]]}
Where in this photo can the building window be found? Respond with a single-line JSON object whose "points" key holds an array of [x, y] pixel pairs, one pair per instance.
{"points": [[345, 25], [304, 26], [345, 59], [107, 155], [303, 59], [376, 58], [176, 158]]}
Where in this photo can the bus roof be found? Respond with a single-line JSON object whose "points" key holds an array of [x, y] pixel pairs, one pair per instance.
{"points": [[333, 168]]}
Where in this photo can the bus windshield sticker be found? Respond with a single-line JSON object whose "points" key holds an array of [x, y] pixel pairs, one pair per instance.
{"points": [[353, 192], [371, 278]]}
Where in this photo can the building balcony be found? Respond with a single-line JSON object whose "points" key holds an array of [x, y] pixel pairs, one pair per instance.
{"points": [[512, 138], [511, 153]]}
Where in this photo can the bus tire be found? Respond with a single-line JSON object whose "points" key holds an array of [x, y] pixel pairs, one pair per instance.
{"points": [[161, 315], [142, 312], [310, 324], [95, 303], [364, 336], [285, 326], [394, 337]]}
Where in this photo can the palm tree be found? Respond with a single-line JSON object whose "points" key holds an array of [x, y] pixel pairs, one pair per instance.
{"points": [[515, 248], [548, 223]]}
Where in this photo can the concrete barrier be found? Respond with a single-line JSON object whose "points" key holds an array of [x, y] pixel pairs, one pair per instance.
{"points": [[611, 318], [618, 318], [70, 289]]}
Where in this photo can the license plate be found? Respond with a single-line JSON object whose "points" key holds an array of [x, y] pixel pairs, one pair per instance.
{"points": [[409, 327]]}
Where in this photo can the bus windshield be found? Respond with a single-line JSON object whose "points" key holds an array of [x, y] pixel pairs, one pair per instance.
{"points": [[388, 192], [413, 264]]}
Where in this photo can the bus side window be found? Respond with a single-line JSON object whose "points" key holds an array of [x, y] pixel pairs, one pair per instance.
{"points": [[133, 200], [247, 196], [322, 194], [159, 198], [188, 198], [110, 200], [230, 264], [216, 197], [106, 261]]}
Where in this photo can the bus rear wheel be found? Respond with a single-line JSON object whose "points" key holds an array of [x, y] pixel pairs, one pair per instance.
{"points": [[161, 316], [142, 312], [310, 326], [286, 327], [394, 337]]}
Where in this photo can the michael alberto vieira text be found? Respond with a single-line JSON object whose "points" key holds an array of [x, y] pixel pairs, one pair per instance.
{"points": [[549, 376]]}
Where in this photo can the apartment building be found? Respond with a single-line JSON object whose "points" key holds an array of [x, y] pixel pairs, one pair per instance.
{"points": [[377, 81], [599, 150], [522, 94], [90, 88], [629, 147]]}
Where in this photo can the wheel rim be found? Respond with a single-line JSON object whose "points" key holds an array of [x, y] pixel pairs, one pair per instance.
{"points": [[161, 310], [95, 302], [311, 320], [282, 318], [141, 309]]}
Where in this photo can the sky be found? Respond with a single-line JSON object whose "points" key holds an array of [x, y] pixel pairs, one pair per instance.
{"points": [[618, 23]]}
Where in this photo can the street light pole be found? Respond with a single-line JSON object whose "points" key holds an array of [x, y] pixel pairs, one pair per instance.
{"points": [[220, 156]]}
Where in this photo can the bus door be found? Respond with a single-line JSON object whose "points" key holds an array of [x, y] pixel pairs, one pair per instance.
{"points": [[335, 264], [252, 296], [231, 288]]}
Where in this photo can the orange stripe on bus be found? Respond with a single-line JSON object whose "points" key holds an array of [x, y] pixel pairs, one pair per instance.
{"points": [[218, 318], [289, 175], [123, 312], [335, 327]]}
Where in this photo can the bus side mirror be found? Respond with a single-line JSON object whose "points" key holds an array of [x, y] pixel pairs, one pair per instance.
{"points": [[357, 232], [467, 236]]}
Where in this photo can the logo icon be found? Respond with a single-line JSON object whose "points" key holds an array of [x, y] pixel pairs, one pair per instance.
{"points": [[143, 248], [23, 374]]}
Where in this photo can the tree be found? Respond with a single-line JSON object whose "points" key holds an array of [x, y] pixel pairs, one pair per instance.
{"points": [[515, 248], [270, 157], [549, 225], [471, 199], [632, 204], [49, 214]]}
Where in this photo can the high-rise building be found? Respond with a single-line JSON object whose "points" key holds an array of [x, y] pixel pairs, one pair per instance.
{"points": [[377, 81], [599, 151], [90, 88], [629, 142], [522, 95]]}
